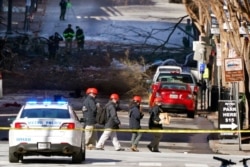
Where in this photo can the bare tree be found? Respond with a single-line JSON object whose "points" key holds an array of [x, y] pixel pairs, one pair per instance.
{"points": [[231, 15]]}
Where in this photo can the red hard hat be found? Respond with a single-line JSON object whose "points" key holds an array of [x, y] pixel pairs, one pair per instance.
{"points": [[158, 99], [87, 91], [92, 90], [114, 96], [137, 98]]}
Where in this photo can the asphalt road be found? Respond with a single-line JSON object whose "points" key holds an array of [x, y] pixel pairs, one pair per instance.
{"points": [[174, 142], [103, 21], [120, 159]]}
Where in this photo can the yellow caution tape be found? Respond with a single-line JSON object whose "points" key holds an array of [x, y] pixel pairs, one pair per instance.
{"points": [[145, 130]]}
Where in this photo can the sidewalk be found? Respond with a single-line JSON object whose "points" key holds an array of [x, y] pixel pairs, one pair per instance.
{"points": [[222, 147]]}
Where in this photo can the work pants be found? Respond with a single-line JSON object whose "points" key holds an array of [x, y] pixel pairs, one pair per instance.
{"points": [[108, 133], [156, 140], [136, 136], [90, 135], [68, 44]]}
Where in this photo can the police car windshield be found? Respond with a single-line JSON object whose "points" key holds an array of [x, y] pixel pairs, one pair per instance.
{"points": [[45, 113]]}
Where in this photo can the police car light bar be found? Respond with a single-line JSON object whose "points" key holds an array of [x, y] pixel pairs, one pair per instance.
{"points": [[46, 102]]}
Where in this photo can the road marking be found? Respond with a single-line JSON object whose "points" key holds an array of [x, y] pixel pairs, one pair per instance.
{"points": [[196, 165], [149, 164], [104, 163]]}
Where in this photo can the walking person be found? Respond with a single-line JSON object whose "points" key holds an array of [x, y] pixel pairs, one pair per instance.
{"points": [[63, 7], [135, 116], [111, 125], [89, 113], [79, 38], [155, 123], [68, 34]]}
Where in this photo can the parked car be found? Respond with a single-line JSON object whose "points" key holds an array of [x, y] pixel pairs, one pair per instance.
{"points": [[176, 97], [184, 77], [166, 69], [47, 129]]}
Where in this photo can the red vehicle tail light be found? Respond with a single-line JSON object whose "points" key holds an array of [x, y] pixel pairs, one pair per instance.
{"points": [[19, 125], [68, 126]]}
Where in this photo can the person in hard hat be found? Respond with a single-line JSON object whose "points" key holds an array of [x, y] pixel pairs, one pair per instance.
{"points": [[135, 116], [112, 123], [89, 113], [155, 123]]}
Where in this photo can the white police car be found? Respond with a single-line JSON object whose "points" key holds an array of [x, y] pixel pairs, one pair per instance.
{"points": [[48, 129]]}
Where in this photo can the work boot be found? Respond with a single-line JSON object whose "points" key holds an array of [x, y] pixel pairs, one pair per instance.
{"points": [[134, 148]]}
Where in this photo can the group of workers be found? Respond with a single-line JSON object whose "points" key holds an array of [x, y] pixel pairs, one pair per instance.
{"points": [[113, 122], [68, 36]]}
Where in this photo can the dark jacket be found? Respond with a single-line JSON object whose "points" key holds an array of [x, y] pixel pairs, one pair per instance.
{"points": [[135, 117], [154, 118], [113, 120], [63, 5], [54, 41], [79, 35], [91, 110]]}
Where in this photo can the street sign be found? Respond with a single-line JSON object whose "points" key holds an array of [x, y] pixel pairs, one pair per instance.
{"points": [[234, 70], [202, 67], [231, 126], [228, 117], [199, 50]]}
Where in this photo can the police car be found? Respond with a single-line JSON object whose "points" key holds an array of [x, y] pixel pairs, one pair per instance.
{"points": [[48, 129]]}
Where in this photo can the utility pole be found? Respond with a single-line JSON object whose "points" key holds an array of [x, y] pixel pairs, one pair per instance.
{"points": [[9, 23], [27, 13], [1, 5]]}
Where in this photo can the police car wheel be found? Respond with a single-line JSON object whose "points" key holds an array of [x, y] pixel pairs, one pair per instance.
{"points": [[77, 157], [13, 158], [83, 155]]}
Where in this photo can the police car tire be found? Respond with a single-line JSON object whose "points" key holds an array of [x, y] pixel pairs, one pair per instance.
{"points": [[77, 157], [12, 157], [83, 155]]}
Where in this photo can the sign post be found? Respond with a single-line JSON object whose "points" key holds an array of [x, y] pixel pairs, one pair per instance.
{"points": [[233, 73]]}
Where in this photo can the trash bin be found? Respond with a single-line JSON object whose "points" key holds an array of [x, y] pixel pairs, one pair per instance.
{"points": [[242, 109], [214, 98], [225, 93]]}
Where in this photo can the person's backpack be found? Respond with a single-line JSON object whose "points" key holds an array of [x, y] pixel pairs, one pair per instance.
{"points": [[101, 116]]}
